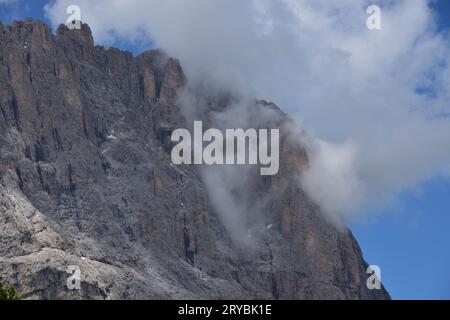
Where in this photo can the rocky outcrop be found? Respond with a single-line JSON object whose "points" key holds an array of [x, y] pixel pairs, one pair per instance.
{"points": [[86, 180]]}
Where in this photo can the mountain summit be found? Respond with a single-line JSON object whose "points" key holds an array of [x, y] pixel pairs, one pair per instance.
{"points": [[86, 180]]}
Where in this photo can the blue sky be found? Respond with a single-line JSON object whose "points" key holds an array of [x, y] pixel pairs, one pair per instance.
{"points": [[410, 240]]}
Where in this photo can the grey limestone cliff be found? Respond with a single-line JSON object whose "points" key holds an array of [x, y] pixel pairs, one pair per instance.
{"points": [[86, 179]]}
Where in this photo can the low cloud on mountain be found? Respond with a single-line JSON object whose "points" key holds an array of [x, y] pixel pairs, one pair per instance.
{"points": [[375, 103]]}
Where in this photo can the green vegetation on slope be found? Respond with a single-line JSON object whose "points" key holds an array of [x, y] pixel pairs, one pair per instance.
{"points": [[8, 293]]}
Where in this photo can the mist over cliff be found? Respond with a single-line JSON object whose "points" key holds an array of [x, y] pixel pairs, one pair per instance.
{"points": [[86, 180], [367, 99]]}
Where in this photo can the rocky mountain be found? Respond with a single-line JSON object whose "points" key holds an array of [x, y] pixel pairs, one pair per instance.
{"points": [[86, 180]]}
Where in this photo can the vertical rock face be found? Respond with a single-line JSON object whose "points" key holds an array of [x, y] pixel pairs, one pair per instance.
{"points": [[86, 180]]}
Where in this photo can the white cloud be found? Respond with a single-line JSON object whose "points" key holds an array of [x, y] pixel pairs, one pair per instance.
{"points": [[318, 61], [331, 179]]}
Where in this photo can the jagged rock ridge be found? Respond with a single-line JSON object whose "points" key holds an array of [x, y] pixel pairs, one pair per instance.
{"points": [[86, 179]]}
